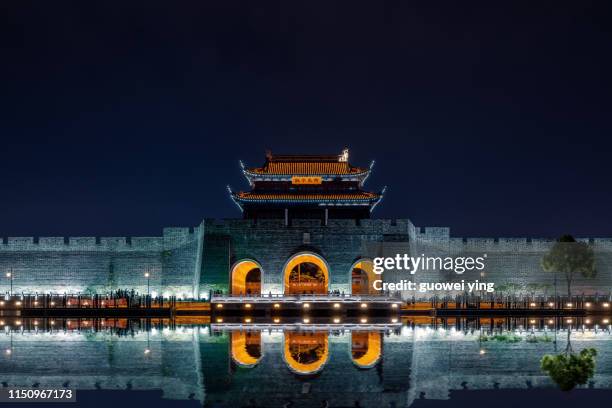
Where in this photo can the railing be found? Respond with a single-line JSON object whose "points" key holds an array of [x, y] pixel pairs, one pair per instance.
{"points": [[331, 297]]}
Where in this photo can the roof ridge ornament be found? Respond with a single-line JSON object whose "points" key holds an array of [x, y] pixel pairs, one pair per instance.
{"points": [[344, 156]]}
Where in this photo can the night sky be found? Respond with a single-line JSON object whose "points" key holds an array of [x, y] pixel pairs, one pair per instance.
{"points": [[121, 118]]}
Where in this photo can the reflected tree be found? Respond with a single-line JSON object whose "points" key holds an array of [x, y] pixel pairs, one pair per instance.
{"points": [[570, 369]]}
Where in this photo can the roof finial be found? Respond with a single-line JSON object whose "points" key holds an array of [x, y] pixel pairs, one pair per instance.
{"points": [[268, 154], [344, 156]]}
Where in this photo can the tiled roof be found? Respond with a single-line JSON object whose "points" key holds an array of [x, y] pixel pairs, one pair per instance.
{"points": [[357, 196], [307, 168]]}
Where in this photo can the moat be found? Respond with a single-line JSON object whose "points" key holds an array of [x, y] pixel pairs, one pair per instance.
{"points": [[382, 363]]}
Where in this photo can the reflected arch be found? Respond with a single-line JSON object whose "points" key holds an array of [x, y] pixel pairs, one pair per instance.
{"points": [[246, 348], [363, 277], [246, 276], [305, 353], [366, 348], [306, 272]]}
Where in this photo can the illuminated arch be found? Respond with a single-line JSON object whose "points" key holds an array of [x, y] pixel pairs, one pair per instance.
{"points": [[246, 348], [241, 272], [311, 260], [366, 349], [305, 353], [364, 268]]}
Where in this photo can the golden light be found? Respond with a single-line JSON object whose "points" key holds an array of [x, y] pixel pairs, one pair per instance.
{"points": [[35, 322], [306, 305], [336, 305], [364, 320], [276, 320], [219, 306], [551, 321], [306, 320], [18, 323], [2, 303], [219, 320], [52, 303], [364, 305], [53, 323], [605, 321], [1, 322], [551, 304], [588, 321], [18, 303], [606, 304], [532, 321], [532, 304], [588, 304], [394, 320], [248, 305], [394, 305], [277, 305], [569, 304], [247, 320], [569, 320], [336, 320], [35, 302]]}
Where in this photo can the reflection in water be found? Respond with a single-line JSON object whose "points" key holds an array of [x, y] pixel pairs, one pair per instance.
{"points": [[303, 364]]}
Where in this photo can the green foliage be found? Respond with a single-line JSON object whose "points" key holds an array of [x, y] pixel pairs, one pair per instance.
{"points": [[570, 258], [503, 338], [532, 338], [568, 370]]}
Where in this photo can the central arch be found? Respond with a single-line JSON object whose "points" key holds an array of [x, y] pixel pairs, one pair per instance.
{"points": [[363, 277], [306, 273], [246, 278], [306, 353]]}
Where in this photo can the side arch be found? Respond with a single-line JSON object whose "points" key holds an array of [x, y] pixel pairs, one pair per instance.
{"points": [[246, 348], [306, 272], [362, 277], [366, 348], [246, 277]]}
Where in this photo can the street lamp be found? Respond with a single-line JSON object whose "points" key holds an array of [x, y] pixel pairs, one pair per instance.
{"points": [[148, 276], [10, 276]]}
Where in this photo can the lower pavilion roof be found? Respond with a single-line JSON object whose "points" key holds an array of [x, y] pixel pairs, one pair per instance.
{"points": [[358, 197]]}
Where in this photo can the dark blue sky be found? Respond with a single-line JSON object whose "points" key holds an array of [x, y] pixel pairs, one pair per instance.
{"points": [[123, 117]]}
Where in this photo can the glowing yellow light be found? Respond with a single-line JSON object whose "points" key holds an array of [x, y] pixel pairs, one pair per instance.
{"points": [[306, 320], [219, 306], [588, 304], [551, 321], [53, 323], [2, 303], [588, 321], [569, 304], [532, 321], [394, 320], [336, 305], [605, 321], [336, 320], [395, 306], [52, 303], [35, 302], [247, 320], [606, 304], [219, 320], [551, 304], [569, 320], [1, 322], [35, 322], [277, 305], [364, 305], [482, 351], [306, 305], [248, 305], [276, 320], [532, 304], [364, 320], [18, 303], [18, 322]]}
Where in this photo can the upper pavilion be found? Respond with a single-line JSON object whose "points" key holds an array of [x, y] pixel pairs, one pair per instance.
{"points": [[306, 186]]}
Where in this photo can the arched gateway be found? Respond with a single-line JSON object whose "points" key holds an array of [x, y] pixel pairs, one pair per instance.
{"points": [[246, 278], [306, 273]]}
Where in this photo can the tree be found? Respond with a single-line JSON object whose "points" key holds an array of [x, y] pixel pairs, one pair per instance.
{"points": [[569, 369], [570, 258]]}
